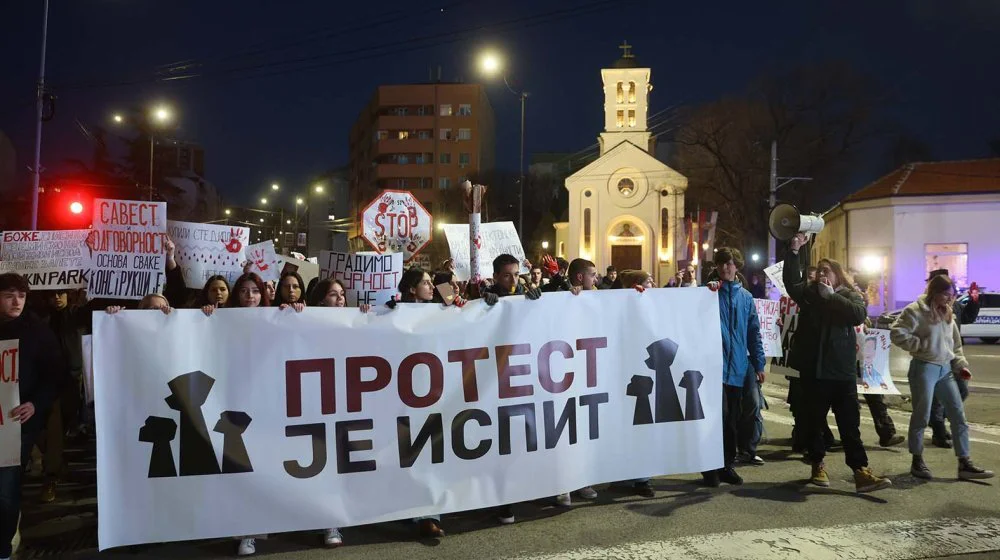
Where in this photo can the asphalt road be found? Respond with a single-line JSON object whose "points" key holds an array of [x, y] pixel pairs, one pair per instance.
{"points": [[775, 515]]}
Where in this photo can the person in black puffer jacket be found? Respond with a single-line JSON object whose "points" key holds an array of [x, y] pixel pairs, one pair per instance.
{"points": [[42, 371], [825, 355]]}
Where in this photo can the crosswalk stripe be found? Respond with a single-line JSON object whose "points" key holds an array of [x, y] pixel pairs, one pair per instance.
{"points": [[891, 540]]}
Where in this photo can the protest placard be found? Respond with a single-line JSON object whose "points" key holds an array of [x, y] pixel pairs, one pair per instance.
{"points": [[769, 312], [264, 261], [371, 279], [50, 260], [340, 419], [497, 238], [789, 325], [125, 249], [774, 273], [10, 398], [206, 250], [874, 357]]}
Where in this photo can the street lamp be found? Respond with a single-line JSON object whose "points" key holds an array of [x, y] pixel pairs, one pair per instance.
{"points": [[118, 118], [491, 64], [275, 187], [263, 201], [228, 211], [158, 116], [298, 201], [319, 189], [545, 244], [755, 257]]}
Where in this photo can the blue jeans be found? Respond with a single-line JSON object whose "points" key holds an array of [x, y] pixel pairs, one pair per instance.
{"points": [[927, 382], [10, 497], [937, 411]]}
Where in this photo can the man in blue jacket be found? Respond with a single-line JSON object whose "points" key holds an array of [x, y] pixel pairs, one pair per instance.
{"points": [[742, 349]]}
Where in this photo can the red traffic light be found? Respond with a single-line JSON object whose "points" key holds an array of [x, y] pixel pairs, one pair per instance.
{"points": [[76, 208]]}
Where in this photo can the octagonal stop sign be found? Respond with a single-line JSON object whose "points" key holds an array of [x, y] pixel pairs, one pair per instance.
{"points": [[396, 222]]}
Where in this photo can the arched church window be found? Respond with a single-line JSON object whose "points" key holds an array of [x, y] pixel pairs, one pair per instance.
{"points": [[586, 228], [626, 187], [631, 92], [620, 121], [621, 93], [631, 118], [664, 229]]}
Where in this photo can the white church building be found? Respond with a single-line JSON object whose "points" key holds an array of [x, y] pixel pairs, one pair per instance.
{"points": [[626, 206]]}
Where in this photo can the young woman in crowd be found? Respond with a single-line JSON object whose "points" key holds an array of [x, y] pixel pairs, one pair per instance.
{"points": [[251, 292], [291, 288], [331, 293], [215, 292], [633, 278], [416, 286], [928, 330], [825, 355]]}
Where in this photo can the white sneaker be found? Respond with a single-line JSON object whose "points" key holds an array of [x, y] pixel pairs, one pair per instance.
{"points": [[564, 500], [587, 493], [333, 537], [248, 547]]}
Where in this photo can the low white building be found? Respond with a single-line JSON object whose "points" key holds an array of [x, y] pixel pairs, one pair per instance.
{"points": [[920, 217]]}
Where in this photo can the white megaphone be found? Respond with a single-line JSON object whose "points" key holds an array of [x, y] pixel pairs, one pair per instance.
{"points": [[785, 222]]}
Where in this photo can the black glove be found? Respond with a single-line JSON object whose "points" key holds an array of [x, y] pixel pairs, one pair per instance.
{"points": [[533, 293], [490, 298], [391, 304]]}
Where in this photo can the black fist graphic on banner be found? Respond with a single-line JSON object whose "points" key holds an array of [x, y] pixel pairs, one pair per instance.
{"points": [[667, 405]]}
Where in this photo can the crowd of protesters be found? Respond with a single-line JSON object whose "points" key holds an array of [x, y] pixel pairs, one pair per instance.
{"points": [[48, 326]]}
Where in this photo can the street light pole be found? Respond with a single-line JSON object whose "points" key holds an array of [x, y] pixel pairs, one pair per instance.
{"points": [[39, 109], [150, 164], [520, 196], [772, 199]]}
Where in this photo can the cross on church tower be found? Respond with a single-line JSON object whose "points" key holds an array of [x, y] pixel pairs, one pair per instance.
{"points": [[626, 50]]}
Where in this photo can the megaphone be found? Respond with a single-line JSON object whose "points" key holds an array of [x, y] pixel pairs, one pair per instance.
{"points": [[785, 222]]}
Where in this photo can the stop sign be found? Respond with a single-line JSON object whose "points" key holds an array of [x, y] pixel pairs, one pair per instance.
{"points": [[396, 222]]}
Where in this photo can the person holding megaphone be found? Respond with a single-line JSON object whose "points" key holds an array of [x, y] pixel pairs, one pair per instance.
{"points": [[824, 353]]}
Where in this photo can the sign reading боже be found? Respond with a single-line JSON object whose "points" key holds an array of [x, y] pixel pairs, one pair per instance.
{"points": [[49, 260]]}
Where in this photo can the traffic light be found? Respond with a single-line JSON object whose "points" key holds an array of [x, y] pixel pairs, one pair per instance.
{"points": [[76, 207]]}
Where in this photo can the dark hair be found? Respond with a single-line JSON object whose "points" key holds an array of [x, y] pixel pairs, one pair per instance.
{"points": [[563, 263], [610, 270], [147, 301], [578, 266], [727, 254], [411, 278], [234, 300], [14, 281], [319, 291], [302, 287], [203, 299], [846, 280], [504, 260], [309, 288]]}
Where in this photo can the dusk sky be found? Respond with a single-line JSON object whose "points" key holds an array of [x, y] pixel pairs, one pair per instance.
{"points": [[262, 118]]}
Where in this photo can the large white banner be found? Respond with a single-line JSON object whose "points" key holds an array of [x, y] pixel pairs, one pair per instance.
{"points": [[10, 398], [205, 250], [50, 260], [367, 278], [497, 238], [125, 249], [261, 421]]}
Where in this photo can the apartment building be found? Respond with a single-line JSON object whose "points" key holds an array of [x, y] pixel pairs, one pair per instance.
{"points": [[423, 138]]}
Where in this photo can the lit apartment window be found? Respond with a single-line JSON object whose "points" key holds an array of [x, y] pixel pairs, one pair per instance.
{"points": [[445, 157], [621, 93], [446, 110], [465, 134], [631, 118], [404, 134], [620, 121], [464, 159], [444, 183], [446, 134], [381, 135], [465, 110]]}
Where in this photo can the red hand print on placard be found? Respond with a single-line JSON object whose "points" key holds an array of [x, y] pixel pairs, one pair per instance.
{"points": [[92, 238], [234, 245]]}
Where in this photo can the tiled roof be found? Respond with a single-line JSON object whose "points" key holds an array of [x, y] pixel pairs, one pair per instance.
{"points": [[975, 176]]}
